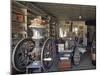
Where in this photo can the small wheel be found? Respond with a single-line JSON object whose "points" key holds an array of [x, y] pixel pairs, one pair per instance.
{"points": [[48, 54], [21, 54]]}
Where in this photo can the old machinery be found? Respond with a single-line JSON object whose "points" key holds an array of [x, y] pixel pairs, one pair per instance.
{"points": [[37, 51], [21, 55]]}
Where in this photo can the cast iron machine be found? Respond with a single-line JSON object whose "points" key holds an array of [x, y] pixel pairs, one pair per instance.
{"points": [[35, 51]]}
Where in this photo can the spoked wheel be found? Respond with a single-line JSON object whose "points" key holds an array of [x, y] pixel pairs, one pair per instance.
{"points": [[48, 54], [22, 53]]}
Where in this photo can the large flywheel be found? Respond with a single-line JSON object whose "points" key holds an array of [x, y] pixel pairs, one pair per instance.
{"points": [[48, 54], [21, 56]]}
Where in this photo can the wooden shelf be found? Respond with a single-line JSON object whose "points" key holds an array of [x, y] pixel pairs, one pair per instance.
{"points": [[19, 22], [37, 26]]}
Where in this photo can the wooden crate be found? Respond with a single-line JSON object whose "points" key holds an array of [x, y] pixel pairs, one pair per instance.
{"points": [[64, 65]]}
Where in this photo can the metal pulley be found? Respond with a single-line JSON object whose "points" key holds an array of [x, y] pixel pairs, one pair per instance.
{"points": [[48, 54], [21, 56]]}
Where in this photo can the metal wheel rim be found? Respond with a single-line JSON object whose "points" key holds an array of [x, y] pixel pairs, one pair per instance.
{"points": [[45, 69], [13, 55]]}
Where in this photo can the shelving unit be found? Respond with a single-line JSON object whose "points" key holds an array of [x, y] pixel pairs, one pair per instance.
{"points": [[53, 24], [21, 16], [19, 22]]}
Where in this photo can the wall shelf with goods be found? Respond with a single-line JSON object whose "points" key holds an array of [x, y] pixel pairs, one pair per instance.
{"points": [[21, 16], [53, 29], [19, 23], [48, 27]]}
